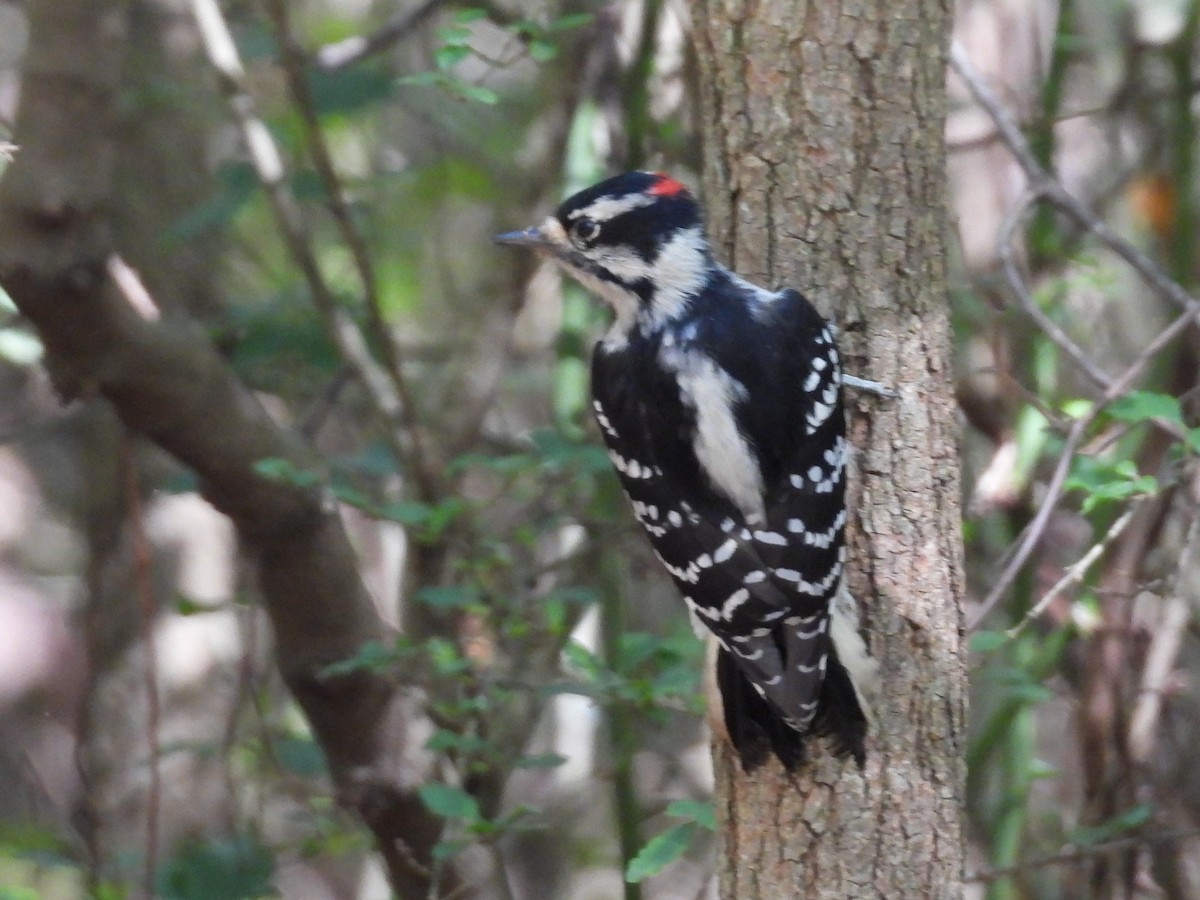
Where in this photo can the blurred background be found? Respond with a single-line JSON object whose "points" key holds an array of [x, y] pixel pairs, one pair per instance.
{"points": [[148, 746]]}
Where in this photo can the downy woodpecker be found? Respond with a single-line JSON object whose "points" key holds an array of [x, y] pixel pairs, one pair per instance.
{"points": [[720, 403]]}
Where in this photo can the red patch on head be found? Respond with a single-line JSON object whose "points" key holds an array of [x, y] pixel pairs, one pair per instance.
{"points": [[666, 186]]}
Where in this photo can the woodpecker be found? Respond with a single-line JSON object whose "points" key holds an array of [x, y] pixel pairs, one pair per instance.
{"points": [[720, 403]]}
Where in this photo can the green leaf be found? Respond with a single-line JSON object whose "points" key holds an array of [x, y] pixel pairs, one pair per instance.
{"points": [[1039, 768], [635, 648], [407, 512], [525, 28], [463, 89], [347, 90], [987, 641], [575, 20], [559, 451], [471, 14], [448, 597], [218, 870], [444, 740], [660, 851], [450, 55], [583, 659], [371, 656], [444, 850], [238, 183], [474, 92], [1077, 408], [32, 841], [541, 761], [442, 515], [422, 79], [1104, 481], [448, 802], [699, 811], [185, 606], [1129, 820], [300, 755], [444, 656], [1139, 406], [284, 470], [1029, 694], [542, 51], [454, 35], [353, 497]]}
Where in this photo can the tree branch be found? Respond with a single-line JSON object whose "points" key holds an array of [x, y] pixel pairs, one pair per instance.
{"points": [[167, 382], [1079, 854], [292, 58], [351, 51], [1041, 184], [386, 393]]}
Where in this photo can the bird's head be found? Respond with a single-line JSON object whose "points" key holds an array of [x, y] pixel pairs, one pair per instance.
{"points": [[636, 240]]}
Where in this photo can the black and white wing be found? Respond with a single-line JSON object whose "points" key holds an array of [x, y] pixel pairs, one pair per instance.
{"points": [[760, 579]]}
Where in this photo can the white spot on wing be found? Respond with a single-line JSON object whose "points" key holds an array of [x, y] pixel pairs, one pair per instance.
{"points": [[602, 419], [770, 537], [824, 539], [736, 599]]}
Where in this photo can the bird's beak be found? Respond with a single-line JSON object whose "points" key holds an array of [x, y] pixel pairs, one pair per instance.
{"points": [[533, 238]]}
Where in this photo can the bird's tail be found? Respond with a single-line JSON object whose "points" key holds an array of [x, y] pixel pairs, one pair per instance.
{"points": [[756, 729]]}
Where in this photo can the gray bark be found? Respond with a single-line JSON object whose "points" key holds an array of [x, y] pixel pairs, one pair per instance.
{"points": [[825, 171]]}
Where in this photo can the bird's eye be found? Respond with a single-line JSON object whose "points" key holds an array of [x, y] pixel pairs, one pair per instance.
{"points": [[585, 230]]}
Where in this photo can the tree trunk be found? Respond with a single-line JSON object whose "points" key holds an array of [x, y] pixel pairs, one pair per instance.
{"points": [[825, 171]]}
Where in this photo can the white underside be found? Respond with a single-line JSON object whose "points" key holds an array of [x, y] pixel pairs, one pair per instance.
{"points": [[851, 650]]}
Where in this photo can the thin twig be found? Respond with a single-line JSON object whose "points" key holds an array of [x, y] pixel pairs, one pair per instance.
{"points": [[1164, 648], [353, 50], [268, 166], [976, 141], [1079, 569], [314, 417], [142, 563], [1054, 193], [1041, 184], [293, 61], [1017, 285], [1077, 854], [1117, 388]]}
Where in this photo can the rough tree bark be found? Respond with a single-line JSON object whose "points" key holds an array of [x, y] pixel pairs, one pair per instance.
{"points": [[166, 382], [825, 171]]}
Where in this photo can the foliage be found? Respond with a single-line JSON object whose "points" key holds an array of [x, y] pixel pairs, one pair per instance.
{"points": [[474, 120], [1101, 455], [669, 845], [218, 870]]}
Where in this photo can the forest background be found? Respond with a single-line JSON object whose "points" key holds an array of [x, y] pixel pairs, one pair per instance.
{"points": [[300, 197]]}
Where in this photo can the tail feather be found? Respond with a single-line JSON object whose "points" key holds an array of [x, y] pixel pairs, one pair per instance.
{"points": [[840, 716], [757, 730]]}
